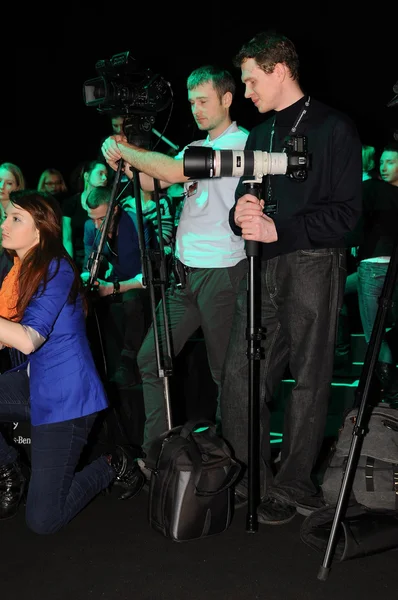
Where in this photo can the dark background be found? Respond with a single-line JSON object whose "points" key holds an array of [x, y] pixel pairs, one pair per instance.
{"points": [[45, 123]]}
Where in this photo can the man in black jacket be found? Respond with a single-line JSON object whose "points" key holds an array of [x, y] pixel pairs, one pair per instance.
{"points": [[300, 225]]}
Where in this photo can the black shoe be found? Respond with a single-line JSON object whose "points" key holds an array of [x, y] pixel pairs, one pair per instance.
{"points": [[308, 504], [240, 495], [274, 512], [12, 488], [129, 476]]}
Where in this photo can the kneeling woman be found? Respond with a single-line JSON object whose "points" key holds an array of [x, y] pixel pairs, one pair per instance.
{"points": [[42, 312]]}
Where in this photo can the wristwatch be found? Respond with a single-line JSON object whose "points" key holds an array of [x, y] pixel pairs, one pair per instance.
{"points": [[116, 288]]}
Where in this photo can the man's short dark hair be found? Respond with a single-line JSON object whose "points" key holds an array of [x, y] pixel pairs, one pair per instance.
{"points": [[221, 79], [391, 147], [98, 196], [269, 48]]}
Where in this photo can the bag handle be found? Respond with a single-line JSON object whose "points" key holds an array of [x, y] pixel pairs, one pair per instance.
{"points": [[151, 460], [196, 458], [184, 431], [231, 477]]}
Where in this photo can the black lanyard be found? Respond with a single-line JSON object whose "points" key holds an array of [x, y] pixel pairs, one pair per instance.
{"points": [[271, 204]]}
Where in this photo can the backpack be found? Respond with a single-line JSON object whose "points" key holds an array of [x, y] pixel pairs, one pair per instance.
{"points": [[191, 485], [375, 483]]}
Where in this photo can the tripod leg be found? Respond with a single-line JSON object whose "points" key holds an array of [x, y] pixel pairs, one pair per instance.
{"points": [[363, 408]]}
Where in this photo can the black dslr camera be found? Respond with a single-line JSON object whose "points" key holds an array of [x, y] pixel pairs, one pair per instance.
{"points": [[298, 158]]}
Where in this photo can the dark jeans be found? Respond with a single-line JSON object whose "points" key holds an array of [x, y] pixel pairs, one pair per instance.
{"points": [[57, 492], [371, 277], [124, 320], [207, 301], [137, 317], [301, 294]]}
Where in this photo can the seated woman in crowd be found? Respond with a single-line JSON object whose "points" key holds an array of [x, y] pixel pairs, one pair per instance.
{"points": [[52, 181], [11, 179], [58, 390], [95, 174]]}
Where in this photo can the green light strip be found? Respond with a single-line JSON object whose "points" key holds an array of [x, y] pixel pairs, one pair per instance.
{"points": [[334, 383]]}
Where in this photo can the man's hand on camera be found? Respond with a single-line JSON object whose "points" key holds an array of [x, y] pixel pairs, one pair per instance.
{"points": [[111, 151], [256, 226]]}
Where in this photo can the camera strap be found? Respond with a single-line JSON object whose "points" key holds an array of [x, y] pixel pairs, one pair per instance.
{"points": [[271, 205], [303, 112]]}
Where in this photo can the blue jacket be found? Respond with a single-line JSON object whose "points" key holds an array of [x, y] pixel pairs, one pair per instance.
{"points": [[64, 383], [126, 257]]}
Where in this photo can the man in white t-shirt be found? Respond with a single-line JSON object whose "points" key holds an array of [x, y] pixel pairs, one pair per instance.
{"points": [[210, 258]]}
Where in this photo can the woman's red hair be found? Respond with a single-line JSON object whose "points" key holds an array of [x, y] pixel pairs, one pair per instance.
{"points": [[47, 217]]}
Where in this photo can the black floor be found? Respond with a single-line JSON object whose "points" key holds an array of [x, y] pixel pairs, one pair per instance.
{"points": [[109, 552]]}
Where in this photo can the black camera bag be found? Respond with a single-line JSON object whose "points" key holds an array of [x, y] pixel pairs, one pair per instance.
{"points": [[191, 485]]}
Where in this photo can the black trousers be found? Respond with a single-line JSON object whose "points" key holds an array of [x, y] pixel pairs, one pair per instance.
{"points": [[301, 294], [117, 326]]}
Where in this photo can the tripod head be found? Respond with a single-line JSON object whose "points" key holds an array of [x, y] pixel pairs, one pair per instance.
{"points": [[138, 128]]}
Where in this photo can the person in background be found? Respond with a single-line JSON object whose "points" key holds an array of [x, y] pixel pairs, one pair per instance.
{"points": [[58, 390], [53, 182], [342, 357], [122, 298], [369, 169], [117, 122], [11, 179], [210, 259], [149, 214], [379, 230], [300, 226], [74, 210]]}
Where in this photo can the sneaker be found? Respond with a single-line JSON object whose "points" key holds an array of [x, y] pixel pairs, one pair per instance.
{"points": [[274, 512], [308, 504]]}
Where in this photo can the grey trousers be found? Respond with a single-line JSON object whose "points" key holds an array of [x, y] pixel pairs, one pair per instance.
{"points": [[207, 301]]}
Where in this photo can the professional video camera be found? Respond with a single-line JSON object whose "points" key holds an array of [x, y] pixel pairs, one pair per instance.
{"points": [[200, 162], [123, 87]]}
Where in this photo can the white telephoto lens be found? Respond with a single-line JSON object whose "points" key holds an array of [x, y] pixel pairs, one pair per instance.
{"points": [[216, 164], [238, 162], [276, 163], [259, 162]]}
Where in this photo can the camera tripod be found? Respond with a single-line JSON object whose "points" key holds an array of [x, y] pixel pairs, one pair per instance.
{"points": [[137, 132], [364, 409]]}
